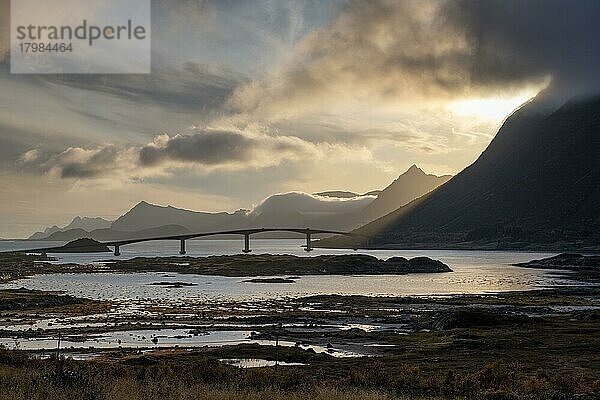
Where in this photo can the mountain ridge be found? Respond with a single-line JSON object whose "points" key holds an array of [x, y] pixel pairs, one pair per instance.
{"points": [[78, 222], [288, 209], [537, 185]]}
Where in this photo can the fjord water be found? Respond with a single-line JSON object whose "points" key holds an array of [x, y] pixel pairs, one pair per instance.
{"points": [[474, 272]]}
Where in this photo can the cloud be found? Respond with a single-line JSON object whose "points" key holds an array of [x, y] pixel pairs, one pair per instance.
{"points": [[77, 162], [80, 163], [208, 148], [305, 203], [30, 156], [373, 51], [514, 40], [225, 149], [191, 87], [414, 52]]}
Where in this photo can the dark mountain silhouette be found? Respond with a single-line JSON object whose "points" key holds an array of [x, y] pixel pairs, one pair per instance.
{"points": [[410, 185], [537, 185], [294, 209]]}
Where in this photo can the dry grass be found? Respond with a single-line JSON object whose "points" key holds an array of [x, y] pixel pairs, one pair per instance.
{"points": [[23, 377]]}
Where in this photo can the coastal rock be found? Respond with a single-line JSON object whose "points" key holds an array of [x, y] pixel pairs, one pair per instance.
{"points": [[565, 261], [580, 267]]}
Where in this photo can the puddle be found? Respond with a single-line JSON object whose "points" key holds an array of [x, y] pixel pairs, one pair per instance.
{"points": [[255, 362], [131, 339], [159, 338], [364, 327], [72, 356]]}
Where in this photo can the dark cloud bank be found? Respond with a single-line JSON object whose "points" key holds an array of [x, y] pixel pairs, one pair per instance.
{"points": [[208, 147], [516, 39], [410, 49]]}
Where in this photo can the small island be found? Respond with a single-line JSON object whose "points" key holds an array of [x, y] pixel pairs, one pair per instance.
{"points": [[84, 245], [174, 285], [281, 265], [270, 280], [577, 266]]}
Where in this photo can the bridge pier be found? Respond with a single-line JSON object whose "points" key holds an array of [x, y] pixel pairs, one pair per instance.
{"points": [[182, 247], [246, 243], [308, 246], [117, 251]]}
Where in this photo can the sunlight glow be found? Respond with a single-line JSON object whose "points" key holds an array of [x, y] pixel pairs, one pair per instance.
{"points": [[493, 109]]}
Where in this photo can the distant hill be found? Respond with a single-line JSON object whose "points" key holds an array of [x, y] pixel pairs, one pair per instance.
{"points": [[82, 223], [45, 233], [537, 185], [145, 216]]}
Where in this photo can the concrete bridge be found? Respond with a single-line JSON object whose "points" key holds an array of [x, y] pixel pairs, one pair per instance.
{"points": [[244, 232]]}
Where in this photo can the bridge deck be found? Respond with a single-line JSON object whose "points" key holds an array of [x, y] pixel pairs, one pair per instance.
{"points": [[251, 231], [87, 247]]}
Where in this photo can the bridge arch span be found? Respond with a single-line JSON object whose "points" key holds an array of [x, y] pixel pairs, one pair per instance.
{"points": [[308, 232]]}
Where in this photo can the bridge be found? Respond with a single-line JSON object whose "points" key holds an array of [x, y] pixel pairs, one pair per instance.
{"points": [[308, 232]]}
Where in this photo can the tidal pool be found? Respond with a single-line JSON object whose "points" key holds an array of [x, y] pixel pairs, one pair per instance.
{"points": [[157, 338], [256, 362]]}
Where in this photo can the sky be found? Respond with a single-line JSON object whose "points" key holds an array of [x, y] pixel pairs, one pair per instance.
{"points": [[251, 98]]}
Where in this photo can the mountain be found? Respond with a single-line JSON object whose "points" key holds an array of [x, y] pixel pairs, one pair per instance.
{"points": [[333, 210], [407, 187], [81, 223], [88, 223], [537, 185], [45, 233], [108, 234], [145, 215]]}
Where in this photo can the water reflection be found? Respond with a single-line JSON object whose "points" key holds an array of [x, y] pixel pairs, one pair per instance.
{"points": [[256, 362], [158, 338]]}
